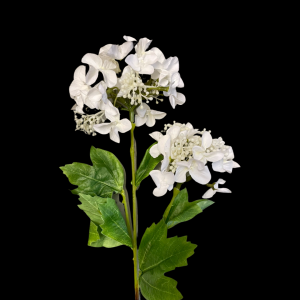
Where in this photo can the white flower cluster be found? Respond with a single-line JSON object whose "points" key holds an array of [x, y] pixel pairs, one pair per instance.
{"points": [[127, 91], [186, 153]]}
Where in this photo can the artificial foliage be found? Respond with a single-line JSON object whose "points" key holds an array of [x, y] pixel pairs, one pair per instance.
{"points": [[180, 153]]}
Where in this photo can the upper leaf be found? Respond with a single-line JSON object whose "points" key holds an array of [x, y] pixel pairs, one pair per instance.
{"points": [[158, 255], [147, 165], [182, 210], [97, 239], [102, 179]]}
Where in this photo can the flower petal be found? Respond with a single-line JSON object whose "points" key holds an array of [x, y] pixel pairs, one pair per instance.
{"points": [[158, 115], [79, 74], [169, 178], [156, 135], [124, 125], [209, 194], [142, 109], [164, 144], [129, 38], [158, 192], [221, 181], [150, 120], [140, 121], [93, 98], [114, 135], [165, 162], [110, 77], [197, 152], [228, 166], [235, 164], [103, 128], [180, 175], [202, 177], [157, 177], [159, 54], [173, 132], [154, 152], [223, 190], [133, 62], [150, 58], [146, 70], [218, 166], [214, 156], [124, 49], [92, 60], [206, 139]]}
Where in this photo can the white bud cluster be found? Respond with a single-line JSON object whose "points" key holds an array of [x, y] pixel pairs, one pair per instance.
{"points": [[86, 122], [133, 88]]}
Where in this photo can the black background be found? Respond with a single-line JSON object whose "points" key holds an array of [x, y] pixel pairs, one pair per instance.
{"points": [[216, 64]]}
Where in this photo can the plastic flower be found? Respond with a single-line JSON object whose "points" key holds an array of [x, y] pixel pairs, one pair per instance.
{"points": [[163, 180], [164, 146], [198, 171], [175, 97], [165, 70], [216, 189], [101, 64], [202, 152], [143, 60], [116, 125], [226, 164], [148, 116]]}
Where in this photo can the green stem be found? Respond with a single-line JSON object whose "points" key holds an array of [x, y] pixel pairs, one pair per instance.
{"points": [[160, 88], [176, 191], [134, 205], [127, 214]]}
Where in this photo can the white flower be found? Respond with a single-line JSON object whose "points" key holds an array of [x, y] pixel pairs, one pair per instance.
{"points": [[148, 116], [143, 60], [79, 88], [103, 64], [163, 180], [199, 172], [164, 71], [164, 146], [116, 125], [226, 164], [95, 95], [175, 97], [203, 153], [116, 51], [211, 191]]}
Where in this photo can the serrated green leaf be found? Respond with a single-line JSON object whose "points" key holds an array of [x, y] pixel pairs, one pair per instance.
{"points": [[182, 210], [97, 239], [158, 255], [90, 205], [102, 179], [114, 225], [147, 165]]}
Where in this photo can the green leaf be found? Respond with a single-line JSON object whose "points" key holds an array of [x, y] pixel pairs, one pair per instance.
{"points": [[182, 210], [158, 255], [91, 206], [114, 225], [147, 165], [102, 179], [105, 214], [97, 239]]}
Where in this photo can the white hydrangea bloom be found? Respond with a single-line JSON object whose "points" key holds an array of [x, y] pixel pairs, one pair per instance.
{"points": [[226, 164], [175, 97], [104, 64], [115, 126], [148, 116], [216, 189], [142, 62], [163, 180]]}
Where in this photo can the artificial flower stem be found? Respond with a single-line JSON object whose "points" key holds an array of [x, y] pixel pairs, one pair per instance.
{"points": [[128, 221], [176, 191], [162, 89], [134, 205]]}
